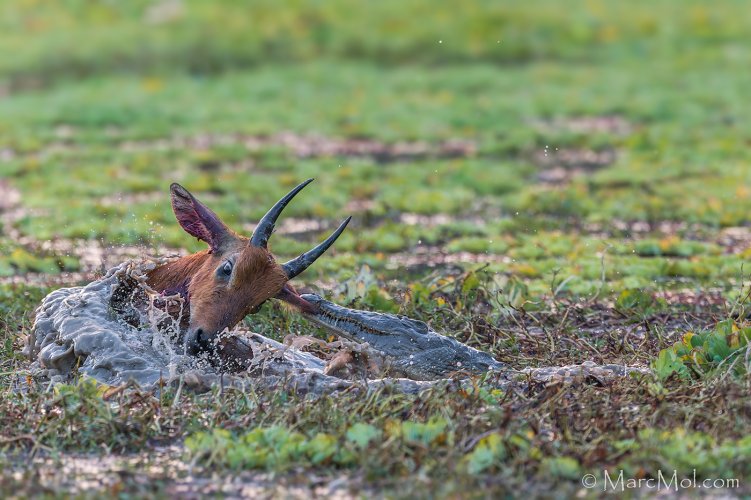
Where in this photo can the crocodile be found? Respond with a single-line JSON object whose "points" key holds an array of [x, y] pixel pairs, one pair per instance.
{"points": [[410, 347], [100, 330]]}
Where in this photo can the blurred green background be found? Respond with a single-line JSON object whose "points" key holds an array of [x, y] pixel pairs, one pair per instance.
{"points": [[585, 163], [560, 142]]}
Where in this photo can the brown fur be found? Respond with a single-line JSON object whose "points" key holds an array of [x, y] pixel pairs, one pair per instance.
{"points": [[178, 273], [218, 301], [215, 303]]}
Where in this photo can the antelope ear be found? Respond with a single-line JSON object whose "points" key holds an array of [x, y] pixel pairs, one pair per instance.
{"points": [[197, 219]]}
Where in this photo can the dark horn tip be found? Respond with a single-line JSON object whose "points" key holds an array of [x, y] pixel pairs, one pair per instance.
{"points": [[265, 226], [301, 263]]}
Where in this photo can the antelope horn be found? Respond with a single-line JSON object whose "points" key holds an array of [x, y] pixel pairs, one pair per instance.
{"points": [[301, 263], [265, 226]]}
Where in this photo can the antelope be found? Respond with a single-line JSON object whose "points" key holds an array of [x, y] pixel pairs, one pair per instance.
{"points": [[235, 275]]}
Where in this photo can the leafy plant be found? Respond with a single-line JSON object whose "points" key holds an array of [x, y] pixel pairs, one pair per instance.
{"points": [[725, 348], [638, 303], [489, 451], [686, 452]]}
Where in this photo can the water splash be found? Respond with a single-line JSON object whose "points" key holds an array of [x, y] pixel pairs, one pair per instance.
{"points": [[118, 330], [115, 329]]}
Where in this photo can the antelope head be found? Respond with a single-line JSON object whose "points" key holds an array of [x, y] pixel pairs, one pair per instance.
{"points": [[236, 275]]}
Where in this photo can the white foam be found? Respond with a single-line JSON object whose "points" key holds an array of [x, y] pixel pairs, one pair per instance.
{"points": [[76, 330]]}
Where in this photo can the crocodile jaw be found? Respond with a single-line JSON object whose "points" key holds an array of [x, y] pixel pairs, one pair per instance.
{"points": [[361, 326], [413, 349]]}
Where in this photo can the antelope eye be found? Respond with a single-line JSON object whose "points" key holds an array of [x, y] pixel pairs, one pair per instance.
{"points": [[225, 269]]}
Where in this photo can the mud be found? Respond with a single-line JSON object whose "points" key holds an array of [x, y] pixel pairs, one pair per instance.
{"points": [[312, 145], [78, 332], [89, 331]]}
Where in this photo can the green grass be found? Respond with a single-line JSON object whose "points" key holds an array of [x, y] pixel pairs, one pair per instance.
{"points": [[104, 104], [206, 38]]}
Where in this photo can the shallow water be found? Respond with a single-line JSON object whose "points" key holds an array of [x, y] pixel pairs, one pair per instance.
{"points": [[77, 331], [82, 331], [115, 330]]}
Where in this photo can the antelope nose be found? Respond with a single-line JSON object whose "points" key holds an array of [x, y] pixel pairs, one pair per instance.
{"points": [[196, 342]]}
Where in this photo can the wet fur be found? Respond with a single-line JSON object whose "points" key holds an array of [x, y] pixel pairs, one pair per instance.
{"points": [[216, 301], [216, 304]]}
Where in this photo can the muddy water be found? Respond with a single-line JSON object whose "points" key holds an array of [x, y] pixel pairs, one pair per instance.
{"points": [[82, 331], [76, 331], [115, 330]]}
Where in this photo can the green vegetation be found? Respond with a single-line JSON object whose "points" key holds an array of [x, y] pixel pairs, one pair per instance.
{"points": [[723, 348], [550, 182]]}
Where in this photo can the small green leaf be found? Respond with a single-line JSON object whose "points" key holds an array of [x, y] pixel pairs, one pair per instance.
{"points": [[487, 452], [362, 434], [564, 467]]}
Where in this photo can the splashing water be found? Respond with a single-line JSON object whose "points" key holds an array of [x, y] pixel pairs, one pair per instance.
{"points": [[118, 330], [115, 329]]}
